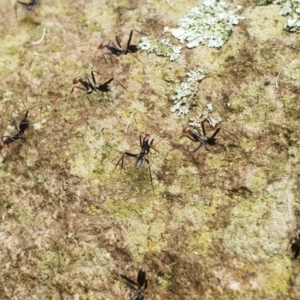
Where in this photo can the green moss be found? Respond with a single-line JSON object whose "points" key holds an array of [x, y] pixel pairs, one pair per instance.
{"points": [[274, 276], [95, 26], [164, 281], [272, 212], [59, 191], [127, 208], [14, 50], [24, 213], [54, 48], [293, 71], [51, 261], [143, 239], [198, 241], [213, 161], [81, 18], [29, 23], [6, 97], [256, 180], [289, 99], [277, 166], [91, 210], [37, 72]]}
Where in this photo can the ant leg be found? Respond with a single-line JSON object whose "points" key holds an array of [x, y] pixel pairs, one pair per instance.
{"points": [[120, 84], [130, 37], [129, 40], [108, 81], [96, 72], [189, 137], [118, 41], [203, 128], [77, 87], [152, 147], [195, 162], [108, 53], [24, 123], [230, 133], [215, 133], [139, 32], [195, 150], [104, 58], [112, 43], [15, 123], [129, 280], [90, 100], [141, 141], [120, 160], [150, 174], [93, 76]]}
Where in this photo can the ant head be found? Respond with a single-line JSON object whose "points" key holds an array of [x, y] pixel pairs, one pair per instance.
{"points": [[186, 131], [76, 80], [102, 46], [148, 134]]}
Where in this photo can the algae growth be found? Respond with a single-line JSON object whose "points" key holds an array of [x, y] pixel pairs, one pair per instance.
{"points": [[218, 225]]}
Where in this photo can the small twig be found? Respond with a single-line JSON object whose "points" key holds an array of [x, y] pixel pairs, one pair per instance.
{"points": [[41, 39], [129, 121], [276, 80]]}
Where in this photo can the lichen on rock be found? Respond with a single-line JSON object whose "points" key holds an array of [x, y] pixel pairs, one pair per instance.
{"points": [[209, 23], [160, 48], [186, 94]]}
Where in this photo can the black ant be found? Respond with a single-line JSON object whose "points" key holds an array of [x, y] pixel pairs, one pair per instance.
{"points": [[295, 245], [6, 140], [29, 6], [117, 49], [141, 283], [89, 84], [145, 144], [194, 134]]}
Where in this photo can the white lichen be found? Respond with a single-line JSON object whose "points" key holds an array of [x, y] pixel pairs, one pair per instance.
{"points": [[210, 23], [185, 96], [160, 48], [290, 8], [205, 115], [210, 107]]}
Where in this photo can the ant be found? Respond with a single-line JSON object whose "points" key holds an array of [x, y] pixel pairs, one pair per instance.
{"points": [[89, 84], [145, 144], [29, 6], [117, 49], [141, 283], [20, 131], [295, 245], [194, 134]]}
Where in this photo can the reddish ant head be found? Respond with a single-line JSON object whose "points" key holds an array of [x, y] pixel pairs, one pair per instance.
{"points": [[102, 46], [76, 80], [186, 131], [147, 134]]}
